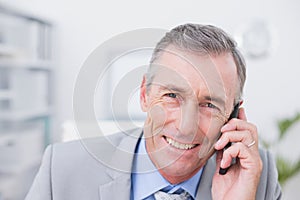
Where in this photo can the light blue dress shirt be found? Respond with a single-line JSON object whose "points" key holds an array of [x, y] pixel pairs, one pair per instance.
{"points": [[146, 179]]}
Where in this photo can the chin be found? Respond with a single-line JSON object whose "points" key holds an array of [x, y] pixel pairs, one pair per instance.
{"points": [[178, 173]]}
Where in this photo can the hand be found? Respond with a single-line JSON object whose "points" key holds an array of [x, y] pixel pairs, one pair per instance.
{"points": [[242, 178]]}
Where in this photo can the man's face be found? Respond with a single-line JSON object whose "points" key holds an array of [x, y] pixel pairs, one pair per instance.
{"points": [[188, 101]]}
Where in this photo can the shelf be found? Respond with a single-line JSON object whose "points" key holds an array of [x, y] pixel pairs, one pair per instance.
{"points": [[6, 94], [8, 51], [20, 14], [21, 167], [24, 115], [26, 64]]}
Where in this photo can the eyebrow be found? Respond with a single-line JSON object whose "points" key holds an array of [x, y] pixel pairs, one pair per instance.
{"points": [[215, 99], [173, 88]]}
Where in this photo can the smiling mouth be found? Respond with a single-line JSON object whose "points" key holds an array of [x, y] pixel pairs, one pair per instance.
{"points": [[178, 145]]}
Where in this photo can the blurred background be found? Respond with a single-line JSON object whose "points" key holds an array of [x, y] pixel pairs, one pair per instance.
{"points": [[43, 45]]}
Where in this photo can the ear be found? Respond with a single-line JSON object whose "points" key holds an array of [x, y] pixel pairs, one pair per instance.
{"points": [[241, 102], [143, 95]]}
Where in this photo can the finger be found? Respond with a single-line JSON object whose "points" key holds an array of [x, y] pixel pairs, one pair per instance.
{"points": [[237, 150], [240, 125], [237, 124], [234, 136]]}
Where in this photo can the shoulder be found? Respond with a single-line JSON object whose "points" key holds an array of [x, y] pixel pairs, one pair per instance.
{"points": [[269, 165], [83, 159], [269, 187], [80, 166], [89, 147]]}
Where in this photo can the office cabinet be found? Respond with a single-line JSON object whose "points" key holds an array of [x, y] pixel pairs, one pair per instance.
{"points": [[26, 98]]}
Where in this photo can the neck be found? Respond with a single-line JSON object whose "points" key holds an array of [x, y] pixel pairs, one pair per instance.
{"points": [[176, 179]]}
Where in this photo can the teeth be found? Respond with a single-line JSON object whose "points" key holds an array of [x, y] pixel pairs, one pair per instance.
{"points": [[179, 145]]}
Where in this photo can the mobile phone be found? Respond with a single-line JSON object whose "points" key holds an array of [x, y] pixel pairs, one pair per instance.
{"points": [[234, 114]]}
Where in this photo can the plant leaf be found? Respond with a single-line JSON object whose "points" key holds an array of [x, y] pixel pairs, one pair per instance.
{"points": [[285, 124], [286, 170]]}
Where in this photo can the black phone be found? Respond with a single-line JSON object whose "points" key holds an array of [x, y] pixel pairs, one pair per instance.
{"points": [[234, 114]]}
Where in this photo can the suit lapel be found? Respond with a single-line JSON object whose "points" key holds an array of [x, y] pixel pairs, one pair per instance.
{"points": [[204, 189], [116, 189], [121, 166], [120, 169]]}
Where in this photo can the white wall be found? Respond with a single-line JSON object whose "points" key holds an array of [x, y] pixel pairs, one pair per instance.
{"points": [[272, 88]]}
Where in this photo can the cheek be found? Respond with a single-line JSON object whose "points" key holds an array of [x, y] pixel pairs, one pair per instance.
{"points": [[156, 118], [161, 115], [212, 131], [158, 113]]}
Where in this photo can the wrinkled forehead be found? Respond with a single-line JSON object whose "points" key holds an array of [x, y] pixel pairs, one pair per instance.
{"points": [[213, 74]]}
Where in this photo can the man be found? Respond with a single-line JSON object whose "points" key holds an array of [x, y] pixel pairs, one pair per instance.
{"points": [[192, 88]]}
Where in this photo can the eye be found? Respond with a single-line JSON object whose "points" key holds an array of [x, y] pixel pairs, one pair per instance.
{"points": [[171, 95], [172, 99], [209, 105]]}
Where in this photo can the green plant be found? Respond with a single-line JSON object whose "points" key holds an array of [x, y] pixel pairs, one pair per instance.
{"points": [[285, 168]]}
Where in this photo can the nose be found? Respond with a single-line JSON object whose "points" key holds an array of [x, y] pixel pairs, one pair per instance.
{"points": [[189, 120]]}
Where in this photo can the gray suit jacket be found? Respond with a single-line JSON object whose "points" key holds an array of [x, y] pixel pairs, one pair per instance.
{"points": [[100, 169]]}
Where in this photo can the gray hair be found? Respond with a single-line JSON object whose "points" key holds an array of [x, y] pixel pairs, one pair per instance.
{"points": [[203, 39]]}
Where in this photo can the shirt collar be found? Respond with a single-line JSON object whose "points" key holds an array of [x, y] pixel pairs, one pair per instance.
{"points": [[147, 179]]}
